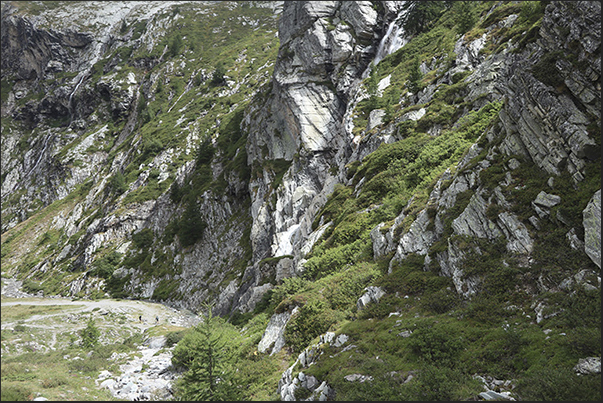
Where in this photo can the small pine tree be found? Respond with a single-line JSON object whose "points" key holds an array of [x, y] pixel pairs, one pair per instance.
{"points": [[117, 183], [191, 225], [218, 76], [175, 45], [208, 377], [372, 86], [90, 335], [465, 16], [415, 76]]}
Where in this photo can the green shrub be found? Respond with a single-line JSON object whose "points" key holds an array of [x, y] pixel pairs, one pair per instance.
{"points": [[483, 308], [174, 337], [143, 239], [115, 286], [133, 341], [217, 78], [500, 352], [32, 286], [150, 148], [581, 314], [176, 192], [387, 304], [415, 76], [117, 183], [175, 45], [290, 286], [530, 12], [342, 290], [313, 319], [165, 290], [436, 344], [16, 393], [105, 266], [333, 260], [422, 15], [440, 301], [465, 16], [191, 226], [550, 384], [53, 382], [441, 383], [205, 152]]}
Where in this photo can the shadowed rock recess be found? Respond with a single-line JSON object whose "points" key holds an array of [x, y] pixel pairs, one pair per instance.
{"points": [[386, 200]]}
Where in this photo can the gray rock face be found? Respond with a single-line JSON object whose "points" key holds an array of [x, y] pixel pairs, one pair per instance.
{"points": [[474, 222], [588, 366], [314, 81], [561, 141], [29, 51], [592, 228], [418, 239], [275, 331], [375, 118], [547, 200], [371, 294], [569, 27], [289, 383]]}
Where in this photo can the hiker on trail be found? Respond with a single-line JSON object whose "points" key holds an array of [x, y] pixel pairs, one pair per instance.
{"points": [[140, 318], [156, 319]]}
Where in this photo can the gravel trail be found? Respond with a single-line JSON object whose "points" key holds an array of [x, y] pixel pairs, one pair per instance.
{"points": [[145, 376]]}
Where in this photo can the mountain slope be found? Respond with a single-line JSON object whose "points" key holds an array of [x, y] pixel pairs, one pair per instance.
{"points": [[394, 172]]}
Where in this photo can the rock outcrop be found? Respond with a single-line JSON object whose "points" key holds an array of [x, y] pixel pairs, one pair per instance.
{"points": [[592, 228]]}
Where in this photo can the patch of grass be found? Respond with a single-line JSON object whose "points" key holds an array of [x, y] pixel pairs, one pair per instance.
{"points": [[20, 312]]}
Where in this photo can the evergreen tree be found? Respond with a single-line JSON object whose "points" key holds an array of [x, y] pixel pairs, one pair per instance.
{"points": [[205, 355], [191, 225], [217, 78], [90, 335], [176, 45], [422, 15], [372, 85], [415, 76], [465, 16]]}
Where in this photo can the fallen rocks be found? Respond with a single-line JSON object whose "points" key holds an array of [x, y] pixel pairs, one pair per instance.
{"points": [[588, 366], [372, 294], [148, 377], [495, 389]]}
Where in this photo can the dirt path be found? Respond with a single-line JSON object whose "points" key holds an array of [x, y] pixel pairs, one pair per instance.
{"points": [[143, 374], [116, 318], [131, 308]]}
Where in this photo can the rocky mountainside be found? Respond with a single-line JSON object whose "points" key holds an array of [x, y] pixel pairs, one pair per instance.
{"points": [[324, 164]]}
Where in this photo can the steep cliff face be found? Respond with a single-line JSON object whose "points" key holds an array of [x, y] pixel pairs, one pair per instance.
{"points": [[298, 145], [103, 112]]}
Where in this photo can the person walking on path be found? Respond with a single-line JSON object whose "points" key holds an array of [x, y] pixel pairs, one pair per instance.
{"points": [[140, 318], [156, 318]]}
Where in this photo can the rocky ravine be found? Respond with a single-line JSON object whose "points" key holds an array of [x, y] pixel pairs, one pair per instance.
{"points": [[145, 375]]}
